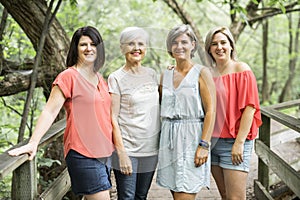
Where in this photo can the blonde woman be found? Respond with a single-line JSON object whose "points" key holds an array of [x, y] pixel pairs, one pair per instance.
{"points": [[238, 114]]}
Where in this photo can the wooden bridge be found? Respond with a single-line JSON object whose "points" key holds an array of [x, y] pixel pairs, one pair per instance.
{"points": [[270, 162]]}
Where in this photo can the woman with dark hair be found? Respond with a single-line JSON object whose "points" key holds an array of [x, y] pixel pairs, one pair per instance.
{"points": [[88, 134]]}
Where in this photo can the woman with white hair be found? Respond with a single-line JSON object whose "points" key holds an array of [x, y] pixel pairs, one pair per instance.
{"points": [[135, 118]]}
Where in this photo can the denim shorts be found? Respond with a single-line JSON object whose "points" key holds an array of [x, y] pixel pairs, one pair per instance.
{"points": [[88, 175], [221, 154]]}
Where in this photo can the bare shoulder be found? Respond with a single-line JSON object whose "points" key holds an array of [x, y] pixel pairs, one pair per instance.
{"points": [[206, 71], [241, 66]]}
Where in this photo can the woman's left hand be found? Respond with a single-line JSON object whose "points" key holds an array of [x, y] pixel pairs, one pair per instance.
{"points": [[237, 153], [201, 156]]}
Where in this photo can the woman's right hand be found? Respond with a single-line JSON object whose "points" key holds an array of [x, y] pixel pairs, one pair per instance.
{"points": [[125, 163], [29, 148]]}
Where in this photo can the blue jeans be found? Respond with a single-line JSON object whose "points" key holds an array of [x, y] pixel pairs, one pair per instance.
{"points": [[88, 175], [221, 154], [136, 186]]}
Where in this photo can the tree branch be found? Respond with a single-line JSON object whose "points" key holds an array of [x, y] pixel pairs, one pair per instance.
{"points": [[186, 19], [2, 27], [47, 23], [271, 14]]}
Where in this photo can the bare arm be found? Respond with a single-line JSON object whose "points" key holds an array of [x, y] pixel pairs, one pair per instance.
{"points": [[208, 96], [124, 161], [48, 115], [245, 125]]}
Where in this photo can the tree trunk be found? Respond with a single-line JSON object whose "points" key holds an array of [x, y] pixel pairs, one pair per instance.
{"points": [[293, 52], [30, 15], [265, 87], [47, 23]]}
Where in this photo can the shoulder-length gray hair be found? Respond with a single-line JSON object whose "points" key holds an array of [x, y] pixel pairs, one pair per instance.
{"points": [[208, 40], [180, 30]]}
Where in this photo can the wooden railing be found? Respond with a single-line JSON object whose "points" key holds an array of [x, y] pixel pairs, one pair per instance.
{"points": [[270, 160], [25, 172]]}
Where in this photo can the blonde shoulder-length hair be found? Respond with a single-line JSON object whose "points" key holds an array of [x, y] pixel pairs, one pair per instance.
{"points": [[208, 40]]}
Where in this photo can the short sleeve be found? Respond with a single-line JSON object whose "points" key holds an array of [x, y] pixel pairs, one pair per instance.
{"points": [[113, 86], [248, 93], [64, 81], [248, 96], [154, 75]]}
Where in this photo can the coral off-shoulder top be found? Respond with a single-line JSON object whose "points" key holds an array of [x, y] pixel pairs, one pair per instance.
{"points": [[235, 92]]}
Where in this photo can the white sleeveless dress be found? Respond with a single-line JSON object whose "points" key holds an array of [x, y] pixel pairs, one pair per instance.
{"points": [[182, 120]]}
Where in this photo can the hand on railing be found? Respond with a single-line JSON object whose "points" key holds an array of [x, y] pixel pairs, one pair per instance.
{"points": [[30, 149]]}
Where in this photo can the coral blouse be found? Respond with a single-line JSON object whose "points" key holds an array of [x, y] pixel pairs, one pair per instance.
{"points": [[89, 129], [235, 92]]}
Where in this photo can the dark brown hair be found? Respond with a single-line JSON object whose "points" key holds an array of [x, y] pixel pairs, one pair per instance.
{"points": [[95, 36]]}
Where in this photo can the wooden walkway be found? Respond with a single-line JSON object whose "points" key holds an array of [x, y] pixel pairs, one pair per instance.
{"points": [[158, 193]]}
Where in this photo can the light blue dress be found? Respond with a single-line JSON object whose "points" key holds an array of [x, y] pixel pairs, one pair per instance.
{"points": [[182, 120]]}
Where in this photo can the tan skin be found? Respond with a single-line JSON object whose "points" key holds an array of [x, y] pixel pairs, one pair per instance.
{"points": [[181, 51], [87, 53], [231, 183], [134, 52]]}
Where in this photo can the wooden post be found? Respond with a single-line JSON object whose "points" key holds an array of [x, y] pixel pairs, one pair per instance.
{"points": [[264, 136], [24, 184]]}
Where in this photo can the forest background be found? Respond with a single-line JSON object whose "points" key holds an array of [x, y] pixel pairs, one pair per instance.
{"points": [[32, 54]]}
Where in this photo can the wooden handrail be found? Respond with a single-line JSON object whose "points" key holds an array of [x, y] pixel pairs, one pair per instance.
{"points": [[9, 164], [26, 186], [270, 160]]}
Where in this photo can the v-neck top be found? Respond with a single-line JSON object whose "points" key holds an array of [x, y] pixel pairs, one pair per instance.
{"points": [[235, 92], [176, 102], [181, 131], [88, 129]]}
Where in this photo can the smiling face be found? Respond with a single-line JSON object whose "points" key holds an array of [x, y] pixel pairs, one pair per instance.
{"points": [[134, 50], [87, 51], [182, 47], [220, 47]]}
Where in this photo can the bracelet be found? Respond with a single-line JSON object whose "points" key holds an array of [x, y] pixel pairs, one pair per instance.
{"points": [[204, 144]]}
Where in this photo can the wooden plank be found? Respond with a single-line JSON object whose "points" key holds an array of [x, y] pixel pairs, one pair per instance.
{"points": [[264, 136], [282, 118], [285, 172], [8, 163], [58, 188], [284, 105], [55, 131], [260, 191], [24, 183]]}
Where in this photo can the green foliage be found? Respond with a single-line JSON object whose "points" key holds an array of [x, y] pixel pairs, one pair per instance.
{"points": [[69, 16], [11, 110], [45, 162], [279, 3], [112, 16], [5, 187], [16, 45], [73, 3]]}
